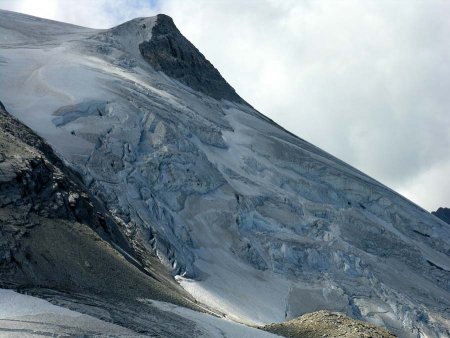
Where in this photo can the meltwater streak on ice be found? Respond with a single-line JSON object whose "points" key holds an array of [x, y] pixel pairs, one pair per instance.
{"points": [[261, 224]]}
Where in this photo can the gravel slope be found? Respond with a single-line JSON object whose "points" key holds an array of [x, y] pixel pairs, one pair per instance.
{"points": [[326, 324]]}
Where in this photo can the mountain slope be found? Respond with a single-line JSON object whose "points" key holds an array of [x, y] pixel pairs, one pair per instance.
{"points": [[56, 235], [251, 220]]}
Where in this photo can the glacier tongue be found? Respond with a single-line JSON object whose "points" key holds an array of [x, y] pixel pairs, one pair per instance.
{"points": [[253, 220]]}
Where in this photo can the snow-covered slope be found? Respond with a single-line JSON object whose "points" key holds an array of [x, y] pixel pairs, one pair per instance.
{"points": [[252, 220]]}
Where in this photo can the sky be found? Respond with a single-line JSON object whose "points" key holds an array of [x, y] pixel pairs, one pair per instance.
{"points": [[367, 81]]}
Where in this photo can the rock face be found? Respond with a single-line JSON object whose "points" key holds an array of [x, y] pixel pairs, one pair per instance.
{"points": [[169, 51], [443, 214], [251, 220], [326, 324], [36, 180]]}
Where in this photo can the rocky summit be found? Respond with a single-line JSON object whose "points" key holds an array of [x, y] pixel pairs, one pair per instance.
{"points": [[170, 52], [138, 188]]}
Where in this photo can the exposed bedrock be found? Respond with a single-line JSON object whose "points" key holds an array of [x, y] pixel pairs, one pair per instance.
{"points": [[170, 52]]}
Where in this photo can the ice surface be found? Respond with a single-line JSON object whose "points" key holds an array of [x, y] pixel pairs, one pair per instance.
{"points": [[213, 326], [27, 316]]}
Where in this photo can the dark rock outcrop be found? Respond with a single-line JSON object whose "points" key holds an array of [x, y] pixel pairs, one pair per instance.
{"points": [[170, 52], [443, 214]]}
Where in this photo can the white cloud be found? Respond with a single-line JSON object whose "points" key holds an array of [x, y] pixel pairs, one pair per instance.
{"points": [[364, 80]]}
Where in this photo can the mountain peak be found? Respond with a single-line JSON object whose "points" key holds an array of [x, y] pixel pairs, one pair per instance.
{"points": [[170, 52], [158, 40]]}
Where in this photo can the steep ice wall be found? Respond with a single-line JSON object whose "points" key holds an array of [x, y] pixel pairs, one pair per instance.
{"points": [[253, 220]]}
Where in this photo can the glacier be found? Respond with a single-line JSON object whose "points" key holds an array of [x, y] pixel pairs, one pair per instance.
{"points": [[252, 221]]}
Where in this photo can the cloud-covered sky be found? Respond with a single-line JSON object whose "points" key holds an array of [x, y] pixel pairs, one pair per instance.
{"points": [[368, 81]]}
